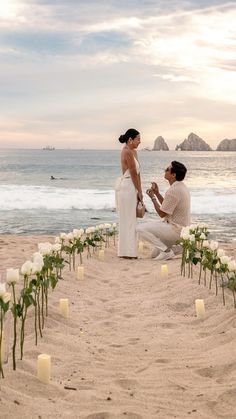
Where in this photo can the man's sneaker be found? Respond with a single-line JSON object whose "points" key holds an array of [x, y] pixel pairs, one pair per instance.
{"points": [[155, 252], [165, 255]]}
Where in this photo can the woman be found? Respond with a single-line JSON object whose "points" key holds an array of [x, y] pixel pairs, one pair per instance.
{"points": [[128, 193]]}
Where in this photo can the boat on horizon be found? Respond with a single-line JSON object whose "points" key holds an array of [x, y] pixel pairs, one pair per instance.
{"points": [[49, 147]]}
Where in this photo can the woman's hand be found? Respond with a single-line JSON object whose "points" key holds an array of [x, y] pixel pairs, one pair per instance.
{"points": [[140, 196]]}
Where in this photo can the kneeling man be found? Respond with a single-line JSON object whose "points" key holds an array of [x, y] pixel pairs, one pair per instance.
{"points": [[174, 209]]}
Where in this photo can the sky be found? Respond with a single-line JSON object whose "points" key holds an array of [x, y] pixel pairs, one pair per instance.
{"points": [[78, 73]]}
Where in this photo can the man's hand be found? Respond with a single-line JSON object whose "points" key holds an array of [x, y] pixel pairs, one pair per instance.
{"points": [[155, 188], [150, 193]]}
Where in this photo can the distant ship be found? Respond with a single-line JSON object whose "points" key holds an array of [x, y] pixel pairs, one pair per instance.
{"points": [[49, 147]]}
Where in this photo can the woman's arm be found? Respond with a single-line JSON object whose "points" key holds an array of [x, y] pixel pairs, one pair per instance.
{"points": [[129, 159]]}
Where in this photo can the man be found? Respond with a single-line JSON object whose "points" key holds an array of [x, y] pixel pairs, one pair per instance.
{"points": [[174, 209]]}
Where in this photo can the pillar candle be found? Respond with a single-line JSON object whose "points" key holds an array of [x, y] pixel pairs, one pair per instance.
{"points": [[164, 271], [101, 254], [200, 309], [80, 272], [64, 307], [140, 247], [44, 368]]}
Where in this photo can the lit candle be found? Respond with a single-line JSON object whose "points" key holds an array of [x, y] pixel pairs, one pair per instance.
{"points": [[44, 368], [80, 272], [164, 271], [140, 247], [64, 307], [200, 309], [101, 254]]}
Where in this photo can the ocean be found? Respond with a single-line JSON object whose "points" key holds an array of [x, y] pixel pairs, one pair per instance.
{"points": [[82, 193]]}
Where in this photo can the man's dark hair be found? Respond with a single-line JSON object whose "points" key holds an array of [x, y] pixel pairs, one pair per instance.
{"points": [[179, 169]]}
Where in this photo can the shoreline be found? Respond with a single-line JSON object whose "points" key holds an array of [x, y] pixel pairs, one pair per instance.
{"points": [[131, 348]]}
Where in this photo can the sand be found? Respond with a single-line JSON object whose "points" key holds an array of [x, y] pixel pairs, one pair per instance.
{"points": [[132, 347]]}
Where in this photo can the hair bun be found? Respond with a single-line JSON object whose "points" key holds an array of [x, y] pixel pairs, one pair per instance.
{"points": [[122, 139]]}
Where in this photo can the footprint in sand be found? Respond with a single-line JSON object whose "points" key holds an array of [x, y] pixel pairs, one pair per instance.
{"points": [[113, 345], [179, 306], [133, 341], [219, 374], [101, 415], [225, 405], [127, 384], [108, 324], [168, 325], [162, 361], [130, 415], [129, 316]]}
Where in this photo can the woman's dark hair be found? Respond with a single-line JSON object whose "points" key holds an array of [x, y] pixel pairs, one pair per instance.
{"points": [[130, 133], [179, 169]]}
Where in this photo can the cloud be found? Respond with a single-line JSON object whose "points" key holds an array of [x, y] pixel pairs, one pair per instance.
{"points": [[71, 66]]}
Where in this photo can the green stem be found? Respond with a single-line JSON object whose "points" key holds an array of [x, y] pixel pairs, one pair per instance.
{"points": [[216, 283], [205, 277], [223, 290], [210, 279], [234, 298], [200, 275], [22, 331], [39, 312], [35, 319], [15, 334], [42, 302], [1, 343]]}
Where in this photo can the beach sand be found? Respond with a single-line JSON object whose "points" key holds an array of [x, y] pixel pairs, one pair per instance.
{"points": [[132, 347]]}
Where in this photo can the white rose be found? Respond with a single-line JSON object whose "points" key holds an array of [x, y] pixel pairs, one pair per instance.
{"points": [[213, 245], [2, 289], [45, 248], [217, 265], [114, 225], [4, 296], [70, 236], [232, 265], [56, 247], [107, 225], [220, 252], [37, 258], [26, 268], [203, 236], [225, 259], [202, 225], [63, 236], [192, 238], [206, 243], [76, 233], [13, 276], [36, 267]]}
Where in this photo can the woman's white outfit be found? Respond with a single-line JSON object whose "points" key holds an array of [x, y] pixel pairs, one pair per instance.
{"points": [[126, 202]]}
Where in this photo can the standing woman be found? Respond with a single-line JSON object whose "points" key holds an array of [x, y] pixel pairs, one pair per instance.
{"points": [[128, 193]]}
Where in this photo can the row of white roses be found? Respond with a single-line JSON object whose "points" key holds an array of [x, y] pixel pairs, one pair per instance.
{"points": [[34, 266], [191, 234], [77, 234]]}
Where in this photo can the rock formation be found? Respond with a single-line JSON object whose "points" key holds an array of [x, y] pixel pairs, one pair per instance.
{"points": [[227, 145], [160, 144], [193, 143]]}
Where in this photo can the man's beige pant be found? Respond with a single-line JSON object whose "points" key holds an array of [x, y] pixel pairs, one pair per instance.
{"points": [[160, 234]]}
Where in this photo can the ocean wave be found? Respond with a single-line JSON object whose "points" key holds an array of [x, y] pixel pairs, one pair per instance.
{"points": [[25, 197]]}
